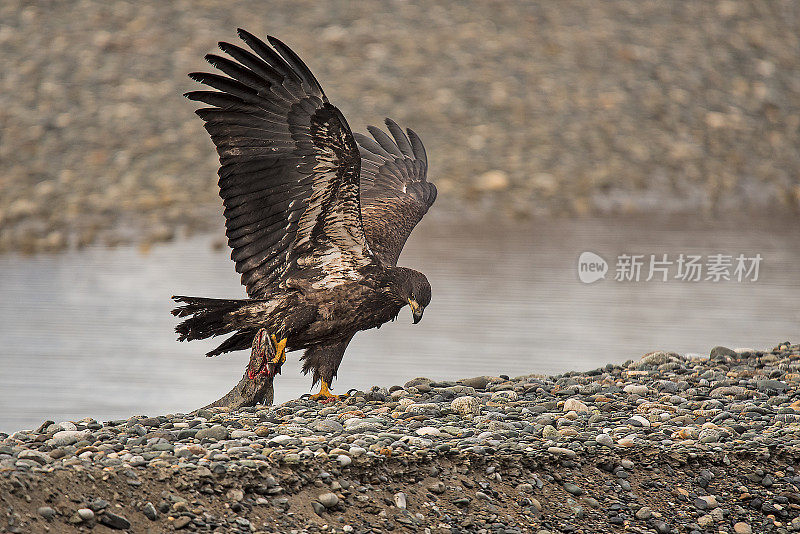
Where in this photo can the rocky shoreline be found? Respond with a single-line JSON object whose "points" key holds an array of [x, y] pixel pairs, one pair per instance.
{"points": [[664, 444]]}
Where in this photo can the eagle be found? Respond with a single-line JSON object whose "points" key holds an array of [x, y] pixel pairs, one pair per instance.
{"points": [[316, 216]]}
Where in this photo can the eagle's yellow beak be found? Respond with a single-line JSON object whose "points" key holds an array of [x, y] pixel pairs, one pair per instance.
{"points": [[416, 310]]}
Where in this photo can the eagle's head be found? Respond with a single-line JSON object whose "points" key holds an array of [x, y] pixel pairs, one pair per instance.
{"points": [[412, 287]]}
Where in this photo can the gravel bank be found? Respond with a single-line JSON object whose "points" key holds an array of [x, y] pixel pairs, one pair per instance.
{"points": [[664, 444], [530, 108]]}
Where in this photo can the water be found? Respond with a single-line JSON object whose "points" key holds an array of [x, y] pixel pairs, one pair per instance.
{"points": [[90, 334]]}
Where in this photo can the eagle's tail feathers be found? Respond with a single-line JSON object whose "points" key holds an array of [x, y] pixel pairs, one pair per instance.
{"points": [[208, 317], [239, 341]]}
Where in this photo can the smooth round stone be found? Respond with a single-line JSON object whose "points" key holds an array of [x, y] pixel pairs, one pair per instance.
{"points": [[638, 420], [344, 460], [569, 453], [46, 512], [216, 432], [742, 528], [66, 425], [67, 437], [525, 488], [627, 441], [478, 382], [327, 425], [328, 500], [355, 452], [85, 514], [636, 389], [605, 440], [575, 405]]}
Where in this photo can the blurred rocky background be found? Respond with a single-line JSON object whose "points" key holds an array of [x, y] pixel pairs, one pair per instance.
{"points": [[526, 108]]}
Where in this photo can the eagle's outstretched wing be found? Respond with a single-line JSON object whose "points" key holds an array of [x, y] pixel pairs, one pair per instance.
{"points": [[289, 175], [395, 194]]}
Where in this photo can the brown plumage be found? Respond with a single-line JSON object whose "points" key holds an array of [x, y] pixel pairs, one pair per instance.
{"points": [[316, 217]]}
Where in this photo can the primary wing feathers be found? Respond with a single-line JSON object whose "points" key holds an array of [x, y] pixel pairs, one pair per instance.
{"points": [[395, 193], [289, 167]]}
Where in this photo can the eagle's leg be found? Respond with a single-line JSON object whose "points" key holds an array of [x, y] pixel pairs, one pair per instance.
{"points": [[324, 360], [325, 394], [267, 356]]}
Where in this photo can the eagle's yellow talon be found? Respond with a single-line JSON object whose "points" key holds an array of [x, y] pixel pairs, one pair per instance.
{"points": [[280, 350], [325, 394]]}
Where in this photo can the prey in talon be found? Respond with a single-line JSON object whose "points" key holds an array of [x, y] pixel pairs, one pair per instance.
{"points": [[316, 216], [267, 355]]}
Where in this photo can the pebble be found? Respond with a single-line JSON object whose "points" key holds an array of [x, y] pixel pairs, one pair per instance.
{"points": [[216, 432], [150, 511], [478, 382], [636, 389], [576, 405], [742, 528], [85, 514], [46, 512], [638, 420], [604, 439], [67, 437], [114, 521], [466, 406], [561, 451], [328, 500], [573, 489], [550, 432], [181, 522]]}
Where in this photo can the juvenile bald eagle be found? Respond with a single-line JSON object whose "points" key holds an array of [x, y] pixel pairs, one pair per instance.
{"points": [[316, 216]]}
